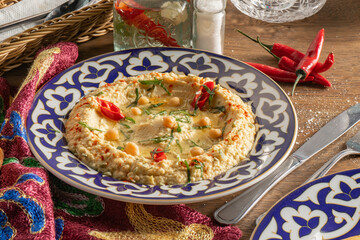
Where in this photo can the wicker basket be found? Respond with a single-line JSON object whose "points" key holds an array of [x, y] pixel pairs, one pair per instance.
{"points": [[78, 26]]}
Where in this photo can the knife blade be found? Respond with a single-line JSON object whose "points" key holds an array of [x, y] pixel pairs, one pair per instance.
{"points": [[237, 208]]}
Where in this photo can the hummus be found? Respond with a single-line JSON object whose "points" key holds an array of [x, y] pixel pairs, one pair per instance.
{"points": [[161, 129]]}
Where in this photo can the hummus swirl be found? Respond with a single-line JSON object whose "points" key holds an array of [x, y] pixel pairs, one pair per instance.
{"points": [[163, 136]]}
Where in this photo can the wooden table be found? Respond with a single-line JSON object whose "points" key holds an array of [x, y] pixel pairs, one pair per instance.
{"points": [[315, 105]]}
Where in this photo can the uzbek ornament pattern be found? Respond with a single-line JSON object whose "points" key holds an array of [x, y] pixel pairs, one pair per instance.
{"points": [[275, 116], [328, 208]]}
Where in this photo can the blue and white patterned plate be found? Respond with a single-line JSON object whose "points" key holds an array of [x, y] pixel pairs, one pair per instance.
{"points": [[275, 115], [327, 208]]}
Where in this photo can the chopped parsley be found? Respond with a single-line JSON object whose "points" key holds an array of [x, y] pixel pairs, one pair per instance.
{"points": [[127, 137], [199, 165], [54, 130], [181, 116], [156, 105], [210, 92], [125, 125], [187, 171], [179, 146], [130, 119], [135, 102], [160, 113], [99, 93], [90, 128], [219, 109], [193, 144], [154, 83], [148, 110], [178, 129], [202, 127], [158, 139]]}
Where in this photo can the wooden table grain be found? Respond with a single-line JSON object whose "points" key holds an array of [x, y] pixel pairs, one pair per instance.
{"points": [[315, 105]]}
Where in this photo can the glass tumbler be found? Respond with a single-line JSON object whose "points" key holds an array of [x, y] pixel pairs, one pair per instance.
{"points": [[278, 11], [149, 23]]}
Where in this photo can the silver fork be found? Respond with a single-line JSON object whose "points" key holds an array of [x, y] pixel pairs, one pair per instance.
{"points": [[352, 148]]}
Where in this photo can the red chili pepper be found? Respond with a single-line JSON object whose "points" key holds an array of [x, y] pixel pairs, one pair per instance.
{"points": [[287, 64], [202, 95], [308, 63], [110, 110], [158, 154], [322, 67], [279, 75], [136, 17], [281, 50]]}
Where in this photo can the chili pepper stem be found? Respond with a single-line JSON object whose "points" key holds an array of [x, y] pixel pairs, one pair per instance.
{"points": [[299, 77], [267, 49], [268, 46]]}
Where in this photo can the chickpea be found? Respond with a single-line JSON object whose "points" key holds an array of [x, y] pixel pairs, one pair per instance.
{"points": [[169, 122], [112, 134], [215, 133], [136, 111], [143, 100], [204, 121], [132, 149], [195, 151], [174, 101]]}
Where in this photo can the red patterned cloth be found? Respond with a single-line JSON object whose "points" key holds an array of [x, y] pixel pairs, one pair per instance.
{"points": [[36, 205]]}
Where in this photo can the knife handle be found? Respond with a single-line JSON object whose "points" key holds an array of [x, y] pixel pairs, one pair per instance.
{"points": [[234, 210]]}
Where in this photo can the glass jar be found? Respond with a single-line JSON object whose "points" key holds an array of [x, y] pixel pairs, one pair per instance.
{"points": [[144, 23], [209, 25]]}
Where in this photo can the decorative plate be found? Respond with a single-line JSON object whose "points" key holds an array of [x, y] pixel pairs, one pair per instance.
{"points": [[327, 208], [275, 115]]}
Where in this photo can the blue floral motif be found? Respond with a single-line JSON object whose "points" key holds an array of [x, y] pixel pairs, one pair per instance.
{"points": [[18, 128], [199, 64], [59, 227], [33, 209], [306, 226], [6, 232], [147, 66], [95, 73], [238, 86], [348, 193], [262, 141], [30, 176], [327, 208]]}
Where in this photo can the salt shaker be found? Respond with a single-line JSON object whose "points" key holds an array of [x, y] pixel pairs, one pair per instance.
{"points": [[209, 25]]}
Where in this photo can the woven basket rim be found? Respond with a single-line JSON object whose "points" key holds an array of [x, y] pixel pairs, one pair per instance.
{"points": [[67, 18]]}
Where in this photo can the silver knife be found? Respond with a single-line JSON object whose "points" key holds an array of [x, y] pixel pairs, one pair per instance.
{"points": [[237, 208]]}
